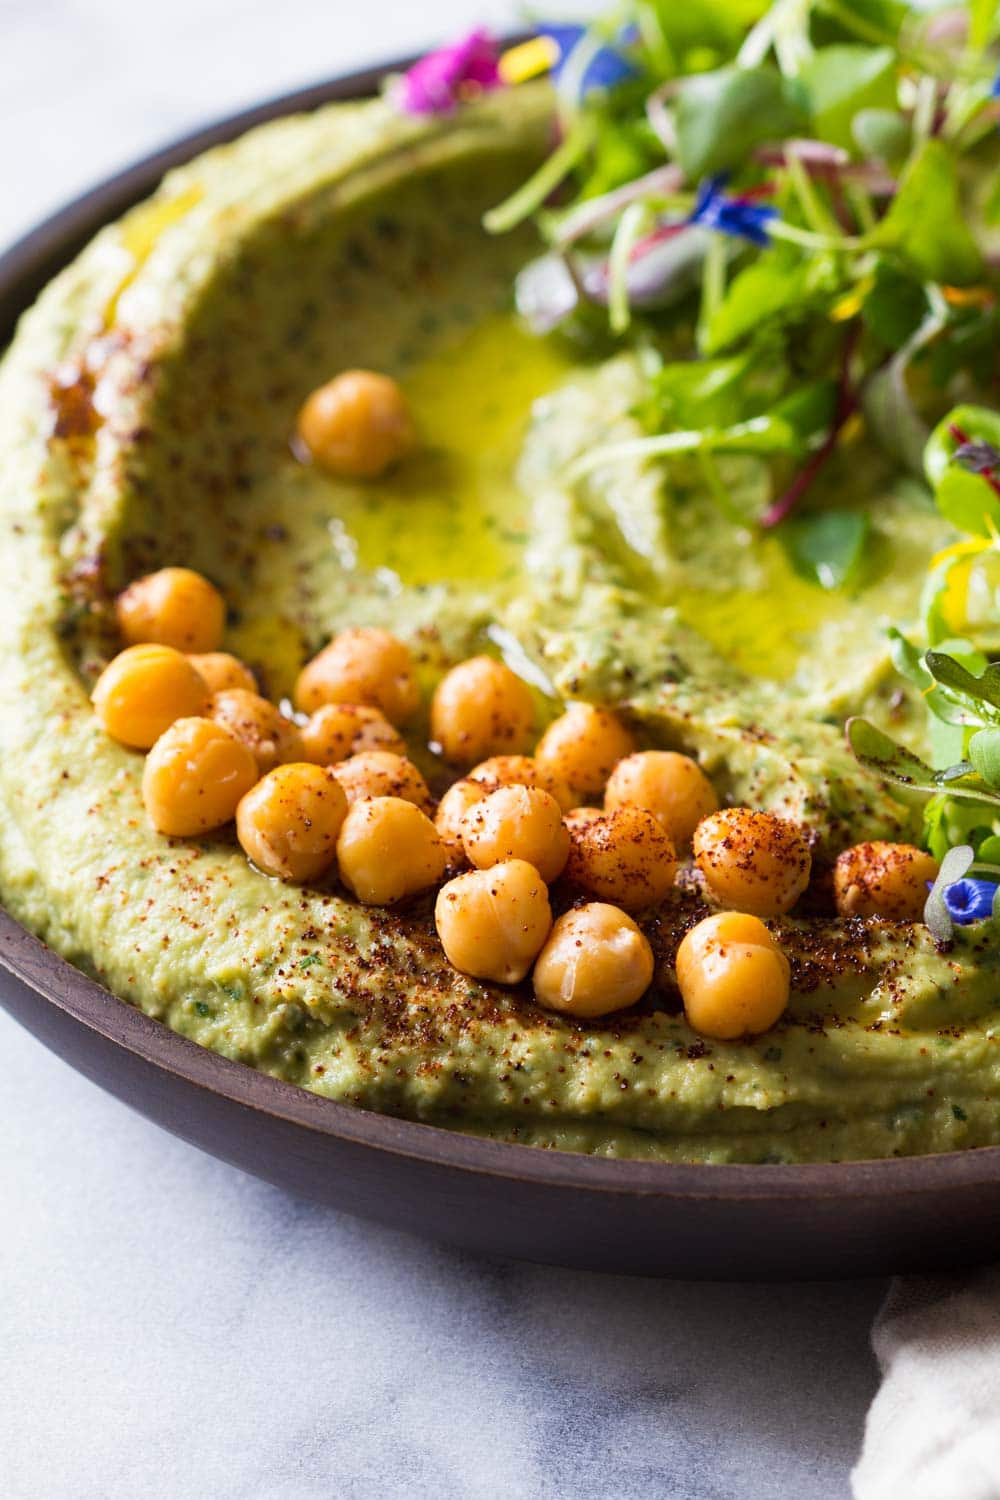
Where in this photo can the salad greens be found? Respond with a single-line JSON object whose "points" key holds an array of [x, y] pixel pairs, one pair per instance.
{"points": [[792, 211], [956, 678], [785, 204]]}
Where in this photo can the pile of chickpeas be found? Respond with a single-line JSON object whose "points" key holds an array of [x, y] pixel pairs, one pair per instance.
{"points": [[333, 788]]}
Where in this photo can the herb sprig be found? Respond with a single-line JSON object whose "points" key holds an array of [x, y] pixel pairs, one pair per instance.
{"points": [[803, 190]]}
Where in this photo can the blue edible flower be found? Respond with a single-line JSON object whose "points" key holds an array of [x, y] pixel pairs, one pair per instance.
{"points": [[969, 900], [995, 90], [743, 217], [606, 68]]}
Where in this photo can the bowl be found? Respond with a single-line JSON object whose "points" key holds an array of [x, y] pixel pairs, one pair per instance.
{"points": [[647, 1218]]}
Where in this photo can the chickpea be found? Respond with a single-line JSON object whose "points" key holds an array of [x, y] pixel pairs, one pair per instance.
{"points": [[172, 607], [734, 980], [222, 671], [624, 857], [357, 425], [517, 822], [143, 690], [752, 861], [365, 665], [672, 787], [452, 808], [596, 961], [583, 747], [195, 776], [388, 850], [883, 880], [268, 735], [492, 923], [338, 730], [578, 818], [521, 770], [481, 708], [382, 773], [288, 823]]}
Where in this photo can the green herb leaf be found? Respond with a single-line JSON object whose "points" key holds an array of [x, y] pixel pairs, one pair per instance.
{"points": [[896, 305], [984, 22], [949, 821], [878, 753], [882, 133], [721, 116], [871, 20], [701, 392], [926, 225], [979, 692], [984, 753], [700, 25], [842, 80], [954, 866], [891, 414], [963, 497], [945, 707], [988, 850], [967, 501], [908, 659], [828, 547], [776, 284]]}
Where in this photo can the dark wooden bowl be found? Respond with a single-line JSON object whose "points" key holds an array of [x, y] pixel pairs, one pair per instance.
{"points": [[698, 1221]]}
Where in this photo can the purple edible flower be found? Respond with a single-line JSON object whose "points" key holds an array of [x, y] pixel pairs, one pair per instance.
{"points": [[995, 89], [743, 217], [606, 68], [969, 900], [439, 81]]}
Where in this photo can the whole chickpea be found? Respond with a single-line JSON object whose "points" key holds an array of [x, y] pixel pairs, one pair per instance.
{"points": [[753, 861], [288, 823], [481, 708], [578, 817], [623, 857], [172, 607], [517, 822], [492, 923], [388, 850], [595, 961], [221, 671], [382, 773], [883, 880], [734, 980], [521, 770], [672, 787], [143, 690], [195, 776], [357, 425], [268, 735], [361, 665], [338, 730], [451, 810], [583, 747]]}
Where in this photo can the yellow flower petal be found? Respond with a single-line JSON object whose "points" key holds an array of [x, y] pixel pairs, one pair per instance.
{"points": [[529, 60]]}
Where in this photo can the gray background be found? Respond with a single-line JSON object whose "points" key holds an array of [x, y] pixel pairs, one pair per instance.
{"points": [[170, 1328]]}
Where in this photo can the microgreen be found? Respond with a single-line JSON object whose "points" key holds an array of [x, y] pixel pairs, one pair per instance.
{"points": [[955, 865], [829, 546], [733, 179]]}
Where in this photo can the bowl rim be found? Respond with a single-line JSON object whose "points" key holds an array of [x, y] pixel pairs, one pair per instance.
{"points": [[26, 265]]}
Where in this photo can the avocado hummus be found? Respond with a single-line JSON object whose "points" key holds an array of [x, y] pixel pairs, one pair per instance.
{"points": [[145, 413]]}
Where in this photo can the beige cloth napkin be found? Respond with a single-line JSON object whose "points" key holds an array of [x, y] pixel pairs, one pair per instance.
{"points": [[933, 1430]]}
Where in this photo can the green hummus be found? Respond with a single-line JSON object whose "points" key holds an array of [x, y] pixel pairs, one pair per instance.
{"points": [[145, 413]]}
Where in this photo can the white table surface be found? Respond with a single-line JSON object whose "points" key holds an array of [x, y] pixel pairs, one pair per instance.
{"points": [[170, 1328]]}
